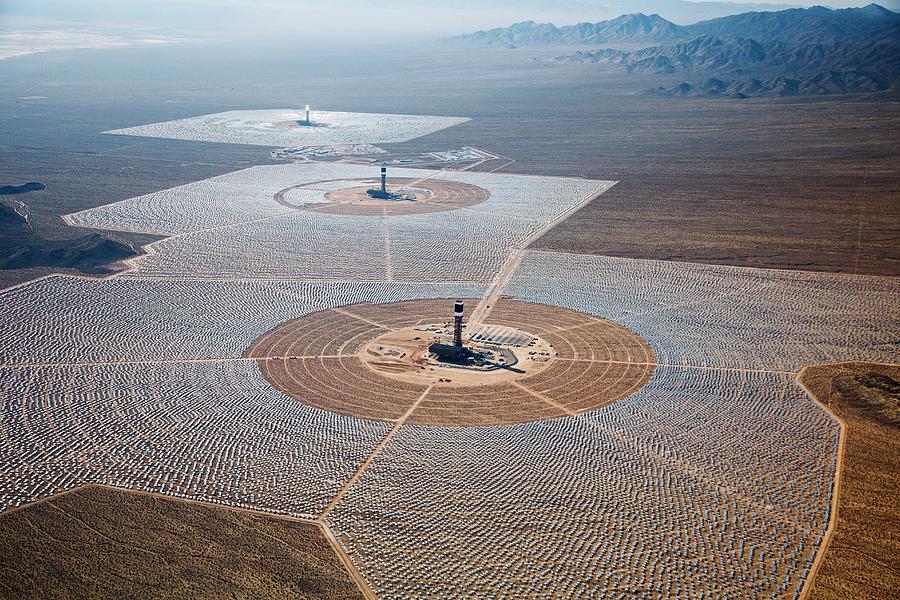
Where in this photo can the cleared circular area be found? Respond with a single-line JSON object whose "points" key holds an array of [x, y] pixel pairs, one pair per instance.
{"points": [[349, 197], [324, 360]]}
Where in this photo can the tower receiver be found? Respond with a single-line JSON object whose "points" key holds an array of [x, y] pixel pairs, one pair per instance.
{"points": [[305, 122], [382, 193], [457, 324]]}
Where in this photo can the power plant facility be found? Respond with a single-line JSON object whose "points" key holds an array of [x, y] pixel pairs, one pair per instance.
{"points": [[481, 358], [305, 122], [455, 353], [382, 193]]}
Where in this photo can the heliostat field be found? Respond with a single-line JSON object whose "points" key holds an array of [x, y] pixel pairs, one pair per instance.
{"points": [[651, 441], [288, 127], [245, 225]]}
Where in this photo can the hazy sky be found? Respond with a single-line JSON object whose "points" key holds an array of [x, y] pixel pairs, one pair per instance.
{"points": [[321, 18]]}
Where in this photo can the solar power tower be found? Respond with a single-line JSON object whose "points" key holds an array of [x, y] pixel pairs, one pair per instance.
{"points": [[457, 325]]}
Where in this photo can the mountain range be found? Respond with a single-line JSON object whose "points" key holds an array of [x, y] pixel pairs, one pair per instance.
{"points": [[783, 53], [801, 25]]}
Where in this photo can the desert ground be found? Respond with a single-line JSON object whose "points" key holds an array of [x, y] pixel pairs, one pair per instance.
{"points": [[862, 556], [101, 542]]}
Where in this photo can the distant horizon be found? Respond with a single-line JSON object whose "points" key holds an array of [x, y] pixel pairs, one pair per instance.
{"points": [[649, 14], [241, 19]]}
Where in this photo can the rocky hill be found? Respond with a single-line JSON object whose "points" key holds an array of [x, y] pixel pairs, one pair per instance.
{"points": [[20, 248], [816, 25], [832, 82], [709, 53], [704, 52], [627, 28]]}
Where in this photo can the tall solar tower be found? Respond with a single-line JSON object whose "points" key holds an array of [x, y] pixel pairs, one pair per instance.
{"points": [[457, 323]]}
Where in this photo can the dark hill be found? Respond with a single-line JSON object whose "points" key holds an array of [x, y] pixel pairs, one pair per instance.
{"points": [[526, 33], [810, 69], [816, 25], [627, 28], [737, 56], [832, 82], [703, 53], [20, 248], [31, 186]]}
